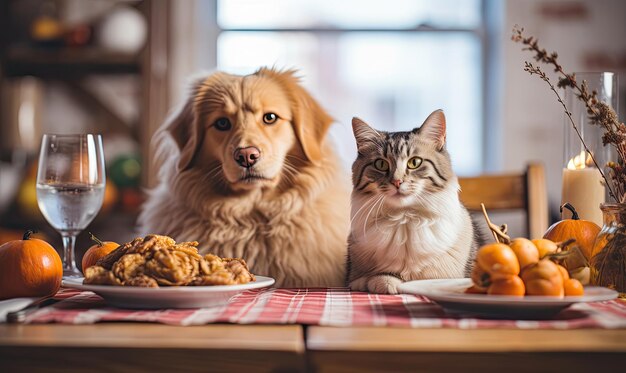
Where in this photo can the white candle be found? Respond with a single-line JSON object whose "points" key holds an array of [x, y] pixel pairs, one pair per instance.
{"points": [[584, 189]]}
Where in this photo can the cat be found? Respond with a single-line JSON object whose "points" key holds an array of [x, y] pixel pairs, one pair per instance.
{"points": [[407, 222]]}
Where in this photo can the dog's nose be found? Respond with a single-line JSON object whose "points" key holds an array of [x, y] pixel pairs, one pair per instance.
{"points": [[397, 183], [247, 157]]}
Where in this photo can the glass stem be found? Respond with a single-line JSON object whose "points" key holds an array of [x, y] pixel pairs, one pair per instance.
{"points": [[69, 262]]}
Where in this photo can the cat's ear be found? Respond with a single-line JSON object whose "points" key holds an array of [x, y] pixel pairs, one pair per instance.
{"points": [[434, 129], [363, 133]]}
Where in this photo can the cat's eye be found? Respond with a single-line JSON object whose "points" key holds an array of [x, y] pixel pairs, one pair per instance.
{"points": [[414, 163], [270, 118], [381, 164], [222, 124]]}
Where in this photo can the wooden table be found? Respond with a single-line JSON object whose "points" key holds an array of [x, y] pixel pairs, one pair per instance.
{"points": [[135, 347], [457, 350]]}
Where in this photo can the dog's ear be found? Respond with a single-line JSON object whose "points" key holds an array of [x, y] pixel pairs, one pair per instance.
{"points": [[183, 129], [184, 125], [310, 121]]}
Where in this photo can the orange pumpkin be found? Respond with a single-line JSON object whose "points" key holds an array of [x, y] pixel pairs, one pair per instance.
{"points": [[97, 251], [583, 231], [29, 267]]}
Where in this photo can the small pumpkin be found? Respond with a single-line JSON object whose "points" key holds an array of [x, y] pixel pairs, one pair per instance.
{"points": [[97, 251], [583, 231], [29, 267]]}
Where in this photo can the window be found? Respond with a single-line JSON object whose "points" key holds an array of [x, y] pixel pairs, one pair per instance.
{"points": [[391, 62]]}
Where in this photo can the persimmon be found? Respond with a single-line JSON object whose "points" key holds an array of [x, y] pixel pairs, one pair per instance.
{"points": [[29, 267], [564, 272], [475, 290], [573, 287], [525, 251], [545, 246], [512, 285], [97, 251], [543, 278], [498, 260], [480, 278]]}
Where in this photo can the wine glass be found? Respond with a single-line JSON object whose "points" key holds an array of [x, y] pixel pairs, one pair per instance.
{"points": [[70, 187]]}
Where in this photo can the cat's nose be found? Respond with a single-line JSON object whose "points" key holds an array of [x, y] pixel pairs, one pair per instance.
{"points": [[397, 183]]}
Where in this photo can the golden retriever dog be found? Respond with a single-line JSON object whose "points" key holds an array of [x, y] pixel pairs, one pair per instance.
{"points": [[247, 171]]}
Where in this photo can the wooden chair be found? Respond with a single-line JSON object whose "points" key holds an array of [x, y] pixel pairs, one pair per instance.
{"points": [[526, 191]]}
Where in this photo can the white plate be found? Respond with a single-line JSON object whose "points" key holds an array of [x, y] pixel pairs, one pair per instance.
{"points": [[170, 296], [450, 294]]}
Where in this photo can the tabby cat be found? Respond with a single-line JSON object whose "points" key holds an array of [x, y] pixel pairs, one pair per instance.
{"points": [[407, 220]]}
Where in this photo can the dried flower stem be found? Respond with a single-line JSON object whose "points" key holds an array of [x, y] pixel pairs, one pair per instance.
{"points": [[499, 233], [535, 70], [598, 112]]}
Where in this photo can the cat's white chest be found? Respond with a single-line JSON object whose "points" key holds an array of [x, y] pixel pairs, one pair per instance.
{"points": [[404, 243], [412, 238]]}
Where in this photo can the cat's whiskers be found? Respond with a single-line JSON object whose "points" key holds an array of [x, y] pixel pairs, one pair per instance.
{"points": [[369, 213], [421, 229], [365, 205], [382, 202]]}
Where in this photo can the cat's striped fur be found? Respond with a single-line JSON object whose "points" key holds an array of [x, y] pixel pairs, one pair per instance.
{"points": [[407, 220]]}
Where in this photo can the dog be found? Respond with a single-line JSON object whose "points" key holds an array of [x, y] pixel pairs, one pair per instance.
{"points": [[246, 170]]}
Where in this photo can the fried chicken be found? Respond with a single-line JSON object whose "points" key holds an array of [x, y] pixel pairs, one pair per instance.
{"points": [[154, 261]]}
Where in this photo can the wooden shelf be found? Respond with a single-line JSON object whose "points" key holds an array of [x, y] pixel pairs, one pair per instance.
{"points": [[63, 63]]}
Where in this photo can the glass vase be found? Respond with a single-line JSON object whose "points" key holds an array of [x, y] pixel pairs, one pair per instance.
{"points": [[608, 258], [583, 185]]}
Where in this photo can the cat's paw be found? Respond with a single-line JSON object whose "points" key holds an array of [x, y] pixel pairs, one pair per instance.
{"points": [[383, 284], [360, 284]]}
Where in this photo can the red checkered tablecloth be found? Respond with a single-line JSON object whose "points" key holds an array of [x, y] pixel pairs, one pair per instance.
{"points": [[330, 307]]}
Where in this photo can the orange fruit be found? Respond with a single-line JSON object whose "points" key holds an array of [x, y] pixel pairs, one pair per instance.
{"points": [[525, 251], [563, 271], [544, 246], [498, 260], [97, 251], [475, 290], [480, 278], [543, 278], [512, 285], [29, 267], [573, 287]]}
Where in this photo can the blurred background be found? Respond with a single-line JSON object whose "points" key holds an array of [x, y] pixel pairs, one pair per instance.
{"points": [[117, 67]]}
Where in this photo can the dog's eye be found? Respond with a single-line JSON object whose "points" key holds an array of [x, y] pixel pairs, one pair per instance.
{"points": [[270, 118], [381, 164], [414, 163], [222, 124]]}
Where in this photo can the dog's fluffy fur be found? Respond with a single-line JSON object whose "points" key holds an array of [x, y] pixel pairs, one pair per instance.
{"points": [[288, 215]]}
